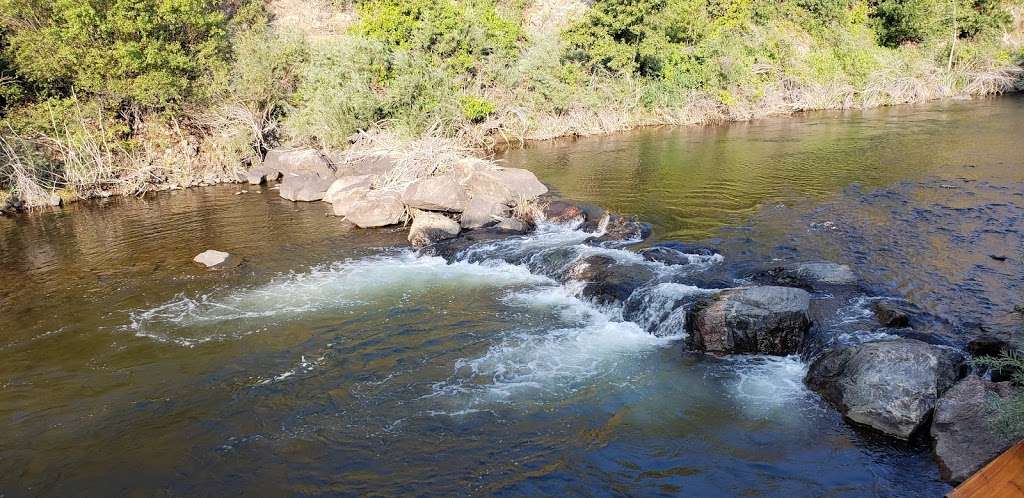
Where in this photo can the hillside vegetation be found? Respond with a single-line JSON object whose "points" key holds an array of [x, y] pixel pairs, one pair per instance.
{"points": [[101, 97]]}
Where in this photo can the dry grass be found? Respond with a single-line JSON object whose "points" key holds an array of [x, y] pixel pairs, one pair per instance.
{"points": [[314, 19], [423, 157]]}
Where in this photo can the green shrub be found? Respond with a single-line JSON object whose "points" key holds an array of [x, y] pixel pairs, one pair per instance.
{"points": [[901, 21], [1010, 411], [476, 109]]}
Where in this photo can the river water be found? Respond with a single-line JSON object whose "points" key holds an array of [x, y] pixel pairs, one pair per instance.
{"points": [[333, 361]]}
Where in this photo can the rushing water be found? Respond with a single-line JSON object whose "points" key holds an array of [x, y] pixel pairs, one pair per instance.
{"points": [[334, 362]]}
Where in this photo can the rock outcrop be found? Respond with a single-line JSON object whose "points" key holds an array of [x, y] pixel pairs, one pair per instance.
{"points": [[483, 211], [770, 320], [437, 193], [890, 385], [296, 162], [964, 439], [507, 185], [430, 227], [346, 183]]}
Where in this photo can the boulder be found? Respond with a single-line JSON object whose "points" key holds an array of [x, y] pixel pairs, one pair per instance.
{"points": [[347, 183], [513, 225], [964, 438], [605, 281], [890, 385], [482, 211], [615, 228], [296, 161], [437, 193], [258, 175], [211, 258], [304, 187], [504, 184], [429, 227], [369, 208], [771, 320]]}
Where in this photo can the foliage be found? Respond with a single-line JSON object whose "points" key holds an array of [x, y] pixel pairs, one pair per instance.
{"points": [[1010, 411], [476, 109], [918, 21]]}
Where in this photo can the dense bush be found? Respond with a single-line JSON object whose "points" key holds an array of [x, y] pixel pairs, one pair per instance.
{"points": [[917, 21], [1010, 411]]}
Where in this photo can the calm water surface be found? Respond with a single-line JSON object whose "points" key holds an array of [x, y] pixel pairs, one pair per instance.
{"points": [[334, 362]]}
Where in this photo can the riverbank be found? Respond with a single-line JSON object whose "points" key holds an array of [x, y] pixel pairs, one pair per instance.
{"points": [[373, 77]]}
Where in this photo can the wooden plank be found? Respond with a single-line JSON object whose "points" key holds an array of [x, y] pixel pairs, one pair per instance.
{"points": [[1001, 478]]}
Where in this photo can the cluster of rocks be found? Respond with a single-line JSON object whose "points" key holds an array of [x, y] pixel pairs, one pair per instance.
{"points": [[473, 194]]}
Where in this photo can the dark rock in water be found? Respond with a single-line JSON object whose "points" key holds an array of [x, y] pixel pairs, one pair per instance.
{"points": [[665, 255], [306, 187], [663, 309], [807, 276], [920, 335], [686, 248], [452, 249], [770, 320], [964, 439], [621, 229], [997, 257], [559, 211], [892, 312], [13, 205], [607, 281], [890, 385]]}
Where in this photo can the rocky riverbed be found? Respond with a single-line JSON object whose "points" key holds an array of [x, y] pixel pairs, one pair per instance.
{"points": [[901, 374]]}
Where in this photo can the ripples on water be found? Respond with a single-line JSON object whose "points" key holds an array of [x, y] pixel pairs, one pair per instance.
{"points": [[329, 364]]}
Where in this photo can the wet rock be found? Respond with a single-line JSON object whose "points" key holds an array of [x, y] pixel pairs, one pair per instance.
{"points": [[369, 208], [559, 211], [211, 258], [606, 281], [13, 205], [890, 385], [621, 229], [964, 439], [305, 187], [676, 253], [346, 183], [663, 309], [438, 193], [513, 225], [452, 249], [807, 276], [296, 162], [770, 320], [504, 184], [429, 227], [482, 211], [893, 312]]}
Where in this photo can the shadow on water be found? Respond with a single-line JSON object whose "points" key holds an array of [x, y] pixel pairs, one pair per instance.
{"points": [[331, 362]]}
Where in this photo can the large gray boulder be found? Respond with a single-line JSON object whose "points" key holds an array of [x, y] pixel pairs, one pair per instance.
{"points": [[429, 227], [482, 211], [304, 187], [369, 208], [771, 320], [346, 183], [890, 385], [296, 161], [504, 184], [964, 438], [437, 193]]}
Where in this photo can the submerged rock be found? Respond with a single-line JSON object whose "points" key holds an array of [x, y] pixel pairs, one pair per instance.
{"points": [[808, 276], [305, 187], [452, 249], [429, 227], [211, 258], [483, 211], [663, 309], [560, 211], [890, 385], [606, 281], [892, 312], [676, 253], [964, 439], [438, 193], [771, 320]]}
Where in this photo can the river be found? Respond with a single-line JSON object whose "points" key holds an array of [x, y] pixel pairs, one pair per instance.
{"points": [[333, 361]]}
